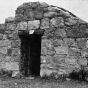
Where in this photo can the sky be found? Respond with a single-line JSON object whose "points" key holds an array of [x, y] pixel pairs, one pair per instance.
{"points": [[77, 7]]}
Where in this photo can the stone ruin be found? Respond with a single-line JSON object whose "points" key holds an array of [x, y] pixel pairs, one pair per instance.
{"points": [[64, 40]]}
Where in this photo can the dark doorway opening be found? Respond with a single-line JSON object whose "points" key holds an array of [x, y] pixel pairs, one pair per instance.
{"points": [[30, 54]]}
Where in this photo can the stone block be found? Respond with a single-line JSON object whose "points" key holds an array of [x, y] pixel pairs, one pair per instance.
{"points": [[81, 43], [70, 60], [33, 24], [73, 51], [61, 50], [13, 35], [70, 42], [22, 26], [46, 72], [10, 65], [50, 51], [33, 5], [18, 17], [44, 4], [57, 42], [10, 26], [46, 59], [3, 50], [38, 15], [87, 44], [44, 23], [2, 56], [82, 61], [64, 13], [5, 43], [50, 14], [12, 59], [15, 52], [57, 22], [84, 52], [15, 43], [61, 71], [60, 33], [43, 51], [57, 59], [53, 9], [9, 19], [1, 36], [2, 26], [46, 43], [15, 73], [70, 21]]}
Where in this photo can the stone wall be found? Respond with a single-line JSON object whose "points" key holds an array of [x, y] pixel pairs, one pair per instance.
{"points": [[64, 43]]}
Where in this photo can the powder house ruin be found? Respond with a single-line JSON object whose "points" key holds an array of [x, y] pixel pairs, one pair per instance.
{"points": [[43, 39]]}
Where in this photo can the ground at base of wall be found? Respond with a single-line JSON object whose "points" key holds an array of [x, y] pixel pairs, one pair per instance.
{"points": [[40, 83]]}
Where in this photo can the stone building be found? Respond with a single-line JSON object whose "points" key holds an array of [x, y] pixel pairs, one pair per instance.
{"points": [[43, 39]]}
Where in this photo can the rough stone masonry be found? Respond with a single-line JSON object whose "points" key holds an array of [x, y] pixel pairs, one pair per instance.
{"points": [[64, 45]]}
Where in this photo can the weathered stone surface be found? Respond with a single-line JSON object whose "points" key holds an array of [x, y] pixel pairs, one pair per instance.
{"points": [[50, 14], [57, 42], [82, 61], [61, 50], [46, 59], [62, 71], [57, 21], [15, 43], [70, 42], [44, 23], [18, 17], [15, 51], [28, 15], [13, 35], [9, 51], [10, 26], [46, 72], [34, 4], [44, 4], [70, 21], [2, 26], [12, 59], [74, 51], [1, 36], [9, 19], [81, 42], [54, 9], [57, 59], [10, 65], [3, 50], [33, 24], [4, 43], [81, 21], [63, 13], [22, 26], [4, 36], [84, 52], [15, 73], [43, 51], [72, 32], [50, 51], [46, 43], [71, 61], [60, 33], [38, 15], [2, 56]]}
